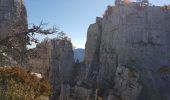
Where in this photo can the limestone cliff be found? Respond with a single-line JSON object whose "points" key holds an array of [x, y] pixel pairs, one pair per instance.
{"points": [[13, 19], [135, 36], [54, 59], [11, 12], [126, 56]]}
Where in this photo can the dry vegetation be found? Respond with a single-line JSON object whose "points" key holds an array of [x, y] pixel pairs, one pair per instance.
{"points": [[19, 84]]}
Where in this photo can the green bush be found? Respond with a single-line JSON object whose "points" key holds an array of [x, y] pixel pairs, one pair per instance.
{"points": [[19, 84]]}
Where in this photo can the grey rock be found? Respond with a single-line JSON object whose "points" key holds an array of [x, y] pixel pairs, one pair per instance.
{"points": [[82, 93], [132, 36], [54, 59], [13, 19], [126, 83], [11, 12]]}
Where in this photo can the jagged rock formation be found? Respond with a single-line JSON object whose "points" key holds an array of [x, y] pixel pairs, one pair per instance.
{"points": [[135, 36], [54, 59], [13, 18], [40, 58], [126, 84], [126, 57], [11, 11]]}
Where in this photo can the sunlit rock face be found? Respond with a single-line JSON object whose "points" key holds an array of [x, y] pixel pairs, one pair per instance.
{"points": [[133, 36]]}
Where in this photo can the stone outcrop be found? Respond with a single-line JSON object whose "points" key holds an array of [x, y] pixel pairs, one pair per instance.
{"points": [[11, 12], [126, 83], [134, 36], [40, 58], [54, 59], [13, 19], [126, 56]]}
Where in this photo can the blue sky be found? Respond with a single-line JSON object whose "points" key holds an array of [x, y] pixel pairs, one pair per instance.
{"points": [[71, 16]]}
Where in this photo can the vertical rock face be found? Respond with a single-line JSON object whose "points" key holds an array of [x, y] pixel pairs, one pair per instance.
{"points": [[61, 65], [13, 19], [136, 37], [11, 12], [92, 51], [93, 40], [40, 58], [54, 59]]}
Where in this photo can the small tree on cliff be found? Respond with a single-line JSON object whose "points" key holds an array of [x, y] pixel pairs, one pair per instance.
{"points": [[15, 43], [61, 35]]}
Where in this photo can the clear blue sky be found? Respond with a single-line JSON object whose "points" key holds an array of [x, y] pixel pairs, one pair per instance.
{"points": [[71, 16]]}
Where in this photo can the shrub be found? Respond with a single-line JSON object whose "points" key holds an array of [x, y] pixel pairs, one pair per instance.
{"points": [[19, 84]]}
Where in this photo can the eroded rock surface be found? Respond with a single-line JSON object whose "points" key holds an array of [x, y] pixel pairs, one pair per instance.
{"points": [[54, 59], [13, 19], [126, 83], [136, 36], [126, 56]]}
